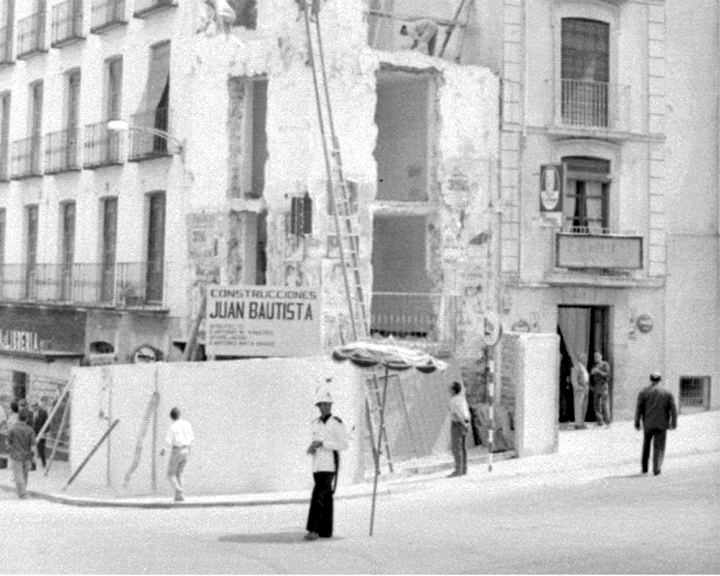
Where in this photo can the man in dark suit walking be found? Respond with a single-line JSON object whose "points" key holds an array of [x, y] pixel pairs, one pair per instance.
{"points": [[39, 417], [656, 408]]}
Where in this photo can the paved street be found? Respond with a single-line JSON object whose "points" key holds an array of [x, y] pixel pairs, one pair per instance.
{"points": [[554, 514]]}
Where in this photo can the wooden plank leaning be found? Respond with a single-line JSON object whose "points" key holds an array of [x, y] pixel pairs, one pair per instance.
{"points": [[95, 448]]}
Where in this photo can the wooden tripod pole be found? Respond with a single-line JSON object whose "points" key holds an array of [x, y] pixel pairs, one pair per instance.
{"points": [[379, 448]]}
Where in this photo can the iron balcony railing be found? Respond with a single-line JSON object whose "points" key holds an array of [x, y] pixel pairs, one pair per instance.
{"points": [[144, 143], [117, 285], [102, 146], [25, 161], [144, 8], [107, 14], [598, 105], [6, 45], [31, 34], [430, 317], [67, 22], [62, 151]]}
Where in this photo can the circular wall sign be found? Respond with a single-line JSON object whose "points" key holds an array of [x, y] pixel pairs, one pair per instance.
{"points": [[644, 323]]}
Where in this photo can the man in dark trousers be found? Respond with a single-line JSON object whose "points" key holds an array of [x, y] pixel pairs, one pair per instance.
{"points": [[39, 417], [21, 440], [329, 437], [600, 386], [656, 409]]}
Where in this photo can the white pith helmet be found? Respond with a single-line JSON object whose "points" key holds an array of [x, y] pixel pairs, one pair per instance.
{"points": [[322, 393]]}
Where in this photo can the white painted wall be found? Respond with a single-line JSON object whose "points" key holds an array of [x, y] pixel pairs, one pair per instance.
{"points": [[251, 421], [536, 393]]}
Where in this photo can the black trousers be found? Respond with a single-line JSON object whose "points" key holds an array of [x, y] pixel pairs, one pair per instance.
{"points": [[320, 517], [657, 437], [41, 450]]}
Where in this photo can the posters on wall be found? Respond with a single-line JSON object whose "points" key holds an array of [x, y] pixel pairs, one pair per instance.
{"points": [[263, 321]]}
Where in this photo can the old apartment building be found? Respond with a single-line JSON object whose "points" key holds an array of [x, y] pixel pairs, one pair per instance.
{"points": [[529, 137]]}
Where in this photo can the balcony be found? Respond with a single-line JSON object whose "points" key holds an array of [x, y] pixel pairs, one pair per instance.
{"points": [[598, 250], [6, 46], [31, 35], [591, 109], [106, 15], [143, 144], [62, 151], [67, 23], [25, 161], [102, 146], [414, 316], [123, 285], [145, 8]]}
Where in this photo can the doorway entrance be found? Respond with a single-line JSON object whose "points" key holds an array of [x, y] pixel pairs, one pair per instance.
{"points": [[582, 330]]}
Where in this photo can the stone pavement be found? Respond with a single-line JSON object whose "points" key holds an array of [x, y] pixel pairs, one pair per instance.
{"points": [[581, 455]]}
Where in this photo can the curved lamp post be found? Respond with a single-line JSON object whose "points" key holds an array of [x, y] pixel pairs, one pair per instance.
{"points": [[123, 126]]}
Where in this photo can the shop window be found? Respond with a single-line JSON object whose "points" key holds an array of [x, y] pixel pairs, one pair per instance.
{"points": [[586, 202], [694, 393]]}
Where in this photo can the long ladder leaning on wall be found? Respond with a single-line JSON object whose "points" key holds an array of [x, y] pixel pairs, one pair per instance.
{"points": [[345, 226]]}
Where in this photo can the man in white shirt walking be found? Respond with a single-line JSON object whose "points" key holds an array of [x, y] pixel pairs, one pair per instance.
{"points": [[460, 416], [179, 438]]}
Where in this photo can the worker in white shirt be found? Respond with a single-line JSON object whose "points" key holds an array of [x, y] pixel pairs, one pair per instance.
{"points": [[423, 33], [179, 438], [459, 426], [329, 437]]}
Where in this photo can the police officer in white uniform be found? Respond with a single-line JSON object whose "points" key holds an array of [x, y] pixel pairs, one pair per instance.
{"points": [[329, 437]]}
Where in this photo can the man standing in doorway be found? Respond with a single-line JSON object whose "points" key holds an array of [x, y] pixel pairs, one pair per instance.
{"points": [[600, 379], [179, 437], [656, 409], [21, 440], [329, 437], [581, 386]]}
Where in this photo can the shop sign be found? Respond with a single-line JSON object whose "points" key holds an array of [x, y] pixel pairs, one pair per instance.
{"points": [[644, 323], [552, 187], [599, 251], [263, 321], [19, 340]]}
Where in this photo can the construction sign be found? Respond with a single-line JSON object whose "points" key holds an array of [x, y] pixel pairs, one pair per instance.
{"points": [[263, 321]]}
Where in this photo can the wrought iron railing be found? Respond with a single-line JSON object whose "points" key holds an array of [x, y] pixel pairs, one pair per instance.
{"points": [[6, 45], [25, 161], [62, 151], [102, 146], [120, 285], [31, 34], [67, 22], [430, 317], [145, 143], [106, 14], [597, 105]]}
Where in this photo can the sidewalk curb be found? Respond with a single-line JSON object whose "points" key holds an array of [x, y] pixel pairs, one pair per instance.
{"points": [[262, 499]]}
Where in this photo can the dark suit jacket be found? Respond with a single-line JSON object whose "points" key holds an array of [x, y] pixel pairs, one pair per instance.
{"points": [[656, 409], [39, 420]]}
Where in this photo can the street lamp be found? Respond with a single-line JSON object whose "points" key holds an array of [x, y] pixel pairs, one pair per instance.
{"points": [[123, 126]]}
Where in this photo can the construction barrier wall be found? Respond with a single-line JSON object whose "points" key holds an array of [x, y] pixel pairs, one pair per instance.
{"points": [[251, 420]]}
